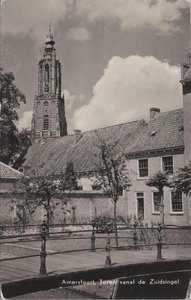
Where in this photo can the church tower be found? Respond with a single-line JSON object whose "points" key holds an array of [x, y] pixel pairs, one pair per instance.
{"points": [[49, 119]]}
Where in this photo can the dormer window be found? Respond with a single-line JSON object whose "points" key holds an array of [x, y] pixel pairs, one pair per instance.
{"points": [[153, 133]]}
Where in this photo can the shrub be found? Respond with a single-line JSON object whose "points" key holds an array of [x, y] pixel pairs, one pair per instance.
{"points": [[103, 224]]}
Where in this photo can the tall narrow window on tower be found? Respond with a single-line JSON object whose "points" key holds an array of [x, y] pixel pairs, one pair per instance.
{"points": [[45, 122], [40, 79], [46, 88], [45, 107]]}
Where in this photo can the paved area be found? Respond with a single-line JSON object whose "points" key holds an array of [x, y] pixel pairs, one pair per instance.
{"points": [[26, 267]]}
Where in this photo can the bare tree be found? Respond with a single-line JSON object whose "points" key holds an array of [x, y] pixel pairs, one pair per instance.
{"points": [[111, 173]]}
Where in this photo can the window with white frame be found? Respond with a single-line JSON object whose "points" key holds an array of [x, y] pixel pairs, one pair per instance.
{"points": [[143, 168], [156, 202], [140, 205], [167, 164], [176, 202]]}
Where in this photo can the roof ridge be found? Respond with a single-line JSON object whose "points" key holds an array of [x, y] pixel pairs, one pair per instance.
{"points": [[109, 126], [9, 167], [170, 111]]}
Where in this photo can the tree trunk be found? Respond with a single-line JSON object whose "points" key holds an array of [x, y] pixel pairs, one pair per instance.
{"points": [[48, 218], [48, 214], [115, 222], [161, 207]]}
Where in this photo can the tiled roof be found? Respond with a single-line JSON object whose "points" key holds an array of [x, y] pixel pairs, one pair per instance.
{"points": [[165, 131], [52, 155], [6, 172]]}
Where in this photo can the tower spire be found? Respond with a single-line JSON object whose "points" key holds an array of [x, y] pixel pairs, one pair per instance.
{"points": [[50, 37], [50, 27]]}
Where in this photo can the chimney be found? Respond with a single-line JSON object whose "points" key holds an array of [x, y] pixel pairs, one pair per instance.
{"points": [[154, 112], [77, 135]]}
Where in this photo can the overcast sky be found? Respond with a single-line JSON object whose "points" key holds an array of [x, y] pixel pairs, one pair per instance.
{"points": [[119, 57]]}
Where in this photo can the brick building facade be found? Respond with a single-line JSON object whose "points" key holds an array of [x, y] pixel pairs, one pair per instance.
{"points": [[49, 106]]}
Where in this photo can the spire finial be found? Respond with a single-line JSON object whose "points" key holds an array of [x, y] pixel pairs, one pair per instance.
{"points": [[50, 37], [50, 28]]}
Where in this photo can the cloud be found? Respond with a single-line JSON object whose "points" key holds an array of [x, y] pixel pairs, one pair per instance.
{"points": [[126, 91], [132, 14], [78, 34], [33, 17], [72, 101], [25, 120]]}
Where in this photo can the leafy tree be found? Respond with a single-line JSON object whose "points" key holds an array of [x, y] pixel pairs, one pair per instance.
{"points": [[181, 181], [70, 179], [40, 191], [159, 181], [10, 100], [24, 139], [111, 173]]}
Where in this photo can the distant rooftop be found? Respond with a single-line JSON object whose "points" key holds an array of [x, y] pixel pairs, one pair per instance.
{"points": [[164, 132], [6, 172]]}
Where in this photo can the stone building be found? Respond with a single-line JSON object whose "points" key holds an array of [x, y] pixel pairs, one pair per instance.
{"points": [[163, 143], [49, 107]]}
